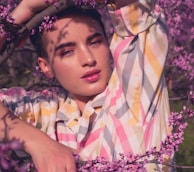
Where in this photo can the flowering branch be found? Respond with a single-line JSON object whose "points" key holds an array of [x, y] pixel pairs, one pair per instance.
{"points": [[30, 25]]}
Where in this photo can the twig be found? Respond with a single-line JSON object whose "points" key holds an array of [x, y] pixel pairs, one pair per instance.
{"points": [[172, 165], [178, 98]]}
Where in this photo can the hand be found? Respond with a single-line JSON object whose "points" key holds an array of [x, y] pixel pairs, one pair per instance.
{"points": [[26, 9], [52, 157]]}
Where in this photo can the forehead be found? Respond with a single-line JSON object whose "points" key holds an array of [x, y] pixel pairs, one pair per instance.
{"points": [[73, 25]]}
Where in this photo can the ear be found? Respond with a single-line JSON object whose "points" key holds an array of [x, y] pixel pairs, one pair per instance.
{"points": [[45, 67]]}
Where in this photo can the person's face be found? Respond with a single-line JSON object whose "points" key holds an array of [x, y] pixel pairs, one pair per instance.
{"points": [[79, 56]]}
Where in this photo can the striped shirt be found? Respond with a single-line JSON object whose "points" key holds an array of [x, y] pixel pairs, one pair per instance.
{"points": [[131, 115]]}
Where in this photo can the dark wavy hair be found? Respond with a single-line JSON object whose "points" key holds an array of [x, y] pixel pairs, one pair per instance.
{"points": [[38, 40]]}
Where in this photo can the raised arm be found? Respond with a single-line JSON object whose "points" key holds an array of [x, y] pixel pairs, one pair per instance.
{"points": [[140, 48]]}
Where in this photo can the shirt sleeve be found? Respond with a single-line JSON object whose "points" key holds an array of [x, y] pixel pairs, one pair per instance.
{"points": [[37, 108], [139, 47]]}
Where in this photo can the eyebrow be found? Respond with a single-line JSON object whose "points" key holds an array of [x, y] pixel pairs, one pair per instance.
{"points": [[68, 44], [71, 44], [93, 36]]}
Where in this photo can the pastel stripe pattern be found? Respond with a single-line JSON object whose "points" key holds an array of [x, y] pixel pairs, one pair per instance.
{"points": [[131, 115]]}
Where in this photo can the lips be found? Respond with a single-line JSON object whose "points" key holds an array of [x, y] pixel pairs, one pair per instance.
{"points": [[91, 76]]}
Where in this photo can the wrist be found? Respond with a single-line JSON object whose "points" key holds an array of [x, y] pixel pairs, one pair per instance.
{"points": [[36, 140]]}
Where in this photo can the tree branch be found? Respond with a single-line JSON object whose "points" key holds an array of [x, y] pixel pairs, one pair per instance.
{"points": [[31, 24]]}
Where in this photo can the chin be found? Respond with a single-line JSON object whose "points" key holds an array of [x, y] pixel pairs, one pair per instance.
{"points": [[95, 91]]}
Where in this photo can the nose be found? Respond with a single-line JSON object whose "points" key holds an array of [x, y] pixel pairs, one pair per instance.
{"points": [[86, 57]]}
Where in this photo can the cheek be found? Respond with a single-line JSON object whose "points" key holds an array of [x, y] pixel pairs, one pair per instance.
{"points": [[61, 70], [106, 58], [65, 71], [62, 75]]}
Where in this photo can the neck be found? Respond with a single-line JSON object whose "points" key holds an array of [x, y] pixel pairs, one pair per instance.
{"points": [[82, 101]]}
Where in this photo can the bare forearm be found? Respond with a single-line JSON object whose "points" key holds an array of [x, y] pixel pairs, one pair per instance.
{"points": [[12, 127]]}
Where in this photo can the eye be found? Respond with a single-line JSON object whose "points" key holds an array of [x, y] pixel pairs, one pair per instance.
{"points": [[95, 42], [65, 52]]}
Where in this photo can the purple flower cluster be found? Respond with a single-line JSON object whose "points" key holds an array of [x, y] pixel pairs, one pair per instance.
{"points": [[47, 24], [4, 11], [5, 8], [180, 21], [92, 3], [5, 148], [9, 160]]}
